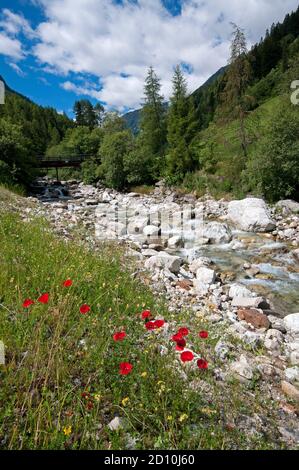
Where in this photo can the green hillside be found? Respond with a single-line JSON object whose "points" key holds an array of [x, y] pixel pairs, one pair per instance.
{"points": [[26, 131]]}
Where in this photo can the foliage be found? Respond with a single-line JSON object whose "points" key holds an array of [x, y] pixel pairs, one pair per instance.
{"points": [[274, 169], [42, 127], [112, 153], [15, 163], [153, 124], [88, 115], [138, 164], [236, 101], [181, 127]]}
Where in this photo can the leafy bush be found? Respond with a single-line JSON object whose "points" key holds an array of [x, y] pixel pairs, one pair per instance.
{"points": [[274, 169], [112, 152]]}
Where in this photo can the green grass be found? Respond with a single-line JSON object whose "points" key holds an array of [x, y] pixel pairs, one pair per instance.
{"points": [[61, 386], [9, 189]]}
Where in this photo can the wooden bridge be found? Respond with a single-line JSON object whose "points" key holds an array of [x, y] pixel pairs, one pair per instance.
{"points": [[60, 162]]}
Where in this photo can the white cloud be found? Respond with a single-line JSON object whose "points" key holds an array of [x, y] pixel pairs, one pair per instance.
{"points": [[11, 47], [13, 24], [117, 42], [17, 69]]}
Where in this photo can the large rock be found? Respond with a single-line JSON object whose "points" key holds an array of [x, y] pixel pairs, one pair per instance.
{"points": [[151, 231], [288, 206], [292, 323], [254, 317], [251, 215], [237, 290], [242, 370], [216, 232], [162, 261], [250, 302], [137, 225], [274, 340], [206, 275], [176, 242], [199, 263]]}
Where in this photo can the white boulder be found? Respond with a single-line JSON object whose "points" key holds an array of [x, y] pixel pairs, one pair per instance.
{"points": [[175, 242], [251, 215], [206, 275], [137, 225], [292, 323], [216, 232], [164, 261], [237, 290], [151, 231], [242, 370]]}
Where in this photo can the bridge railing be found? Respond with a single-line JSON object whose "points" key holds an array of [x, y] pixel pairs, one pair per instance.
{"points": [[71, 158]]}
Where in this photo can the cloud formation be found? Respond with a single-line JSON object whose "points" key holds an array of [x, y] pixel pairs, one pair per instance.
{"points": [[115, 42]]}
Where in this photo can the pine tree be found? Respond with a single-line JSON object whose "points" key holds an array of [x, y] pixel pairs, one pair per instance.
{"points": [[86, 114], [181, 119], [238, 78], [153, 125], [78, 113]]}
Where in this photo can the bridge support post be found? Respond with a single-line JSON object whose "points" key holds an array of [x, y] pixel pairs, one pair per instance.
{"points": [[57, 174]]}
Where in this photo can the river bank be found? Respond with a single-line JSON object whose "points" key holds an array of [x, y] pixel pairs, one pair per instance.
{"points": [[256, 326]]}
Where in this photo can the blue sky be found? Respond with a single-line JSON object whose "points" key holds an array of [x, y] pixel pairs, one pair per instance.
{"points": [[56, 51]]}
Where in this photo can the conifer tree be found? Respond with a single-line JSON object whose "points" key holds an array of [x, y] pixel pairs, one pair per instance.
{"points": [[153, 125], [180, 127], [238, 78]]}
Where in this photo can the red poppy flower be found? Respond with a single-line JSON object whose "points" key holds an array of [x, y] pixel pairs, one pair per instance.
{"points": [[85, 395], [125, 368], [183, 331], [187, 356], [203, 334], [159, 323], [150, 325], [202, 364], [177, 337], [68, 283], [27, 303], [43, 299], [84, 309], [180, 345], [119, 336], [145, 314], [89, 405]]}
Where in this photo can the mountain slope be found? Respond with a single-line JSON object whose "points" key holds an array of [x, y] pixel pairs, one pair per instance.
{"points": [[43, 127]]}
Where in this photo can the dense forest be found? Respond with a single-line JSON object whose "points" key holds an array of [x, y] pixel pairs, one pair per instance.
{"points": [[239, 133], [26, 131]]}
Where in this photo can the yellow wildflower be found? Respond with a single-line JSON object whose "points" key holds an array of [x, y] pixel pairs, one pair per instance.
{"points": [[97, 397], [67, 430], [125, 401], [169, 418], [144, 374], [208, 411], [183, 418]]}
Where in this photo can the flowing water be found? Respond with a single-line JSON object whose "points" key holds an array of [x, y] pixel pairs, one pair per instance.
{"points": [[278, 277], [278, 272]]}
